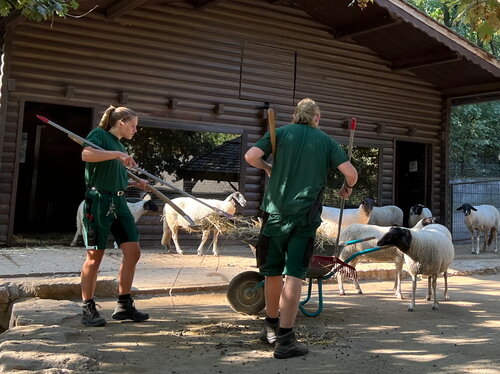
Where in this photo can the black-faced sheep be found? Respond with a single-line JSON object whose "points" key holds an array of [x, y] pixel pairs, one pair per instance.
{"points": [[417, 212], [136, 208], [172, 221], [427, 252], [358, 231], [330, 217], [389, 215], [481, 218]]}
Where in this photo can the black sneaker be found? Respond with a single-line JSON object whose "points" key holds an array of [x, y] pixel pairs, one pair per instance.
{"points": [[269, 332], [91, 316], [287, 346], [125, 309]]}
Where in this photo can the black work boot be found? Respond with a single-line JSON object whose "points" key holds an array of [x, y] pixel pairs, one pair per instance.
{"points": [[91, 316], [269, 332], [287, 346], [125, 309]]}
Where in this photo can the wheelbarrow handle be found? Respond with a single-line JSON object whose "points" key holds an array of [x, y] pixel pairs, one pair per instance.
{"points": [[369, 250], [357, 241]]}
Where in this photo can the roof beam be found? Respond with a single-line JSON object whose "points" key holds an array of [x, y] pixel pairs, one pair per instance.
{"points": [[474, 93], [365, 28], [122, 7], [202, 4], [425, 61]]}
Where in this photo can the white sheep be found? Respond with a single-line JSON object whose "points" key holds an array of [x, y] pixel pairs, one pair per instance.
{"points": [[481, 218], [417, 212], [330, 217], [389, 215], [137, 209], [427, 252], [359, 231], [199, 213]]}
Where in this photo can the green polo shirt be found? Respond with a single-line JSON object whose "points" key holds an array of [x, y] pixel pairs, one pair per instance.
{"points": [[111, 175], [304, 157]]}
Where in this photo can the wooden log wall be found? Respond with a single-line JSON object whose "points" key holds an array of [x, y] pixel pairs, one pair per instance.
{"points": [[240, 54]]}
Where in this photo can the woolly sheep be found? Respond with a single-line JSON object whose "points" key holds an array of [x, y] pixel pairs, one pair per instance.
{"points": [[417, 212], [172, 221], [427, 252], [482, 218], [359, 231], [389, 215], [136, 208], [330, 217]]}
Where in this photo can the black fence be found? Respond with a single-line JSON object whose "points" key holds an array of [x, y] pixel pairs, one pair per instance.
{"points": [[474, 192]]}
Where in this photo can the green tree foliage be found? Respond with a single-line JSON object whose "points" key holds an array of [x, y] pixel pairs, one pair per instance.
{"points": [[475, 138], [164, 150], [37, 10]]}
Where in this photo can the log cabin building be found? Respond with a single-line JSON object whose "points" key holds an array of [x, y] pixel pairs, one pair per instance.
{"points": [[216, 65]]}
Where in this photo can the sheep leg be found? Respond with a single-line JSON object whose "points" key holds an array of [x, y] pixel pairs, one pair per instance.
{"points": [[77, 235], [445, 275], [175, 238], [429, 281], [495, 234], [167, 234], [435, 304], [397, 282], [215, 245], [341, 284], [473, 238], [411, 306], [204, 238], [485, 240]]}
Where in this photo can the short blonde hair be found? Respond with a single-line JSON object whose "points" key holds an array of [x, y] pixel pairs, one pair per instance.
{"points": [[305, 111], [112, 115]]}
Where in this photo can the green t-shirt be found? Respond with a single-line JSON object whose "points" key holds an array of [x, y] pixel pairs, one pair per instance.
{"points": [[111, 175], [304, 157]]}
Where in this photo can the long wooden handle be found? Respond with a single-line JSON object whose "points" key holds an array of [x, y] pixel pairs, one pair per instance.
{"points": [[271, 123]]}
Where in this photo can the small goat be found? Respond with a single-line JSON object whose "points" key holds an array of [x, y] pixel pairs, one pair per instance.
{"points": [[137, 209], [199, 213], [482, 218]]}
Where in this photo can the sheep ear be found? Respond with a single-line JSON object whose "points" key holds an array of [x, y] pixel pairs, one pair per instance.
{"points": [[460, 208], [474, 209]]}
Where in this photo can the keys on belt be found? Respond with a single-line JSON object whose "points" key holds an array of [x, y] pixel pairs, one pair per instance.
{"points": [[117, 193]]}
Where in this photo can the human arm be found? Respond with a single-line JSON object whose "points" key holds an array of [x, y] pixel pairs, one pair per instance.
{"points": [[351, 177], [90, 154], [139, 183], [254, 157]]}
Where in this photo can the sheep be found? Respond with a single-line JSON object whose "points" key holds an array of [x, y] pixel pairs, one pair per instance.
{"points": [[137, 209], [359, 231], [389, 215], [482, 218], [417, 212], [199, 213], [330, 217], [427, 252]]}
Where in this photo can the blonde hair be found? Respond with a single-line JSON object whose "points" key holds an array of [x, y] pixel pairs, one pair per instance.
{"points": [[112, 115], [305, 111]]}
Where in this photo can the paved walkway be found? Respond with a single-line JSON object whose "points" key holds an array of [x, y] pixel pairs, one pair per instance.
{"points": [[159, 271]]}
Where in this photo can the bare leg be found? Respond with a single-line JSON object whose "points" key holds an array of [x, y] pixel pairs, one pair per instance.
{"points": [[289, 301], [273, 288], [89, 272], [131, 255]]}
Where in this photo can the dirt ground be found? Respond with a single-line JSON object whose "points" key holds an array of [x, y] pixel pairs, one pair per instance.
{"points": [[370, 333]]}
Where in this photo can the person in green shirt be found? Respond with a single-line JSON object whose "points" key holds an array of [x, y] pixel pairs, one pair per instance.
{"points": [[106, 211], [292, 201]]}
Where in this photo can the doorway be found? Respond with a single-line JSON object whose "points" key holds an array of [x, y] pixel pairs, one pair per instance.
{"points": [[51, 173], [412, 184]]}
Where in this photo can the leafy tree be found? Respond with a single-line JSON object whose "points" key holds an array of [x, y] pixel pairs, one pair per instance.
{"points": [[37, 10]]}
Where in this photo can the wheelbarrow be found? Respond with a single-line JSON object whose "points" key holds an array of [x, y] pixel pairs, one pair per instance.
{"points": [[246, 290]]}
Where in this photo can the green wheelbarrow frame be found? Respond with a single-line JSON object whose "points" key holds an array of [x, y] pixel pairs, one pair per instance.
{"points": [[246, 291]]}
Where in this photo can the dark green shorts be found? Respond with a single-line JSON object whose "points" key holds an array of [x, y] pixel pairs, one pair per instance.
{"points": [[104, 214], [289, 243]]}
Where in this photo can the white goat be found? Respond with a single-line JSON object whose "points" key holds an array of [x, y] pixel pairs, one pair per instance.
{"points": [[172, 221], [427, 252], [417, 212], [389, 215], [137, 209], [482, 218], [330, 217], [360, 231]]}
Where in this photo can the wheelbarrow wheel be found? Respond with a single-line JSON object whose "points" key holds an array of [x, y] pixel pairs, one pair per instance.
{"points": [[245, 294]]}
